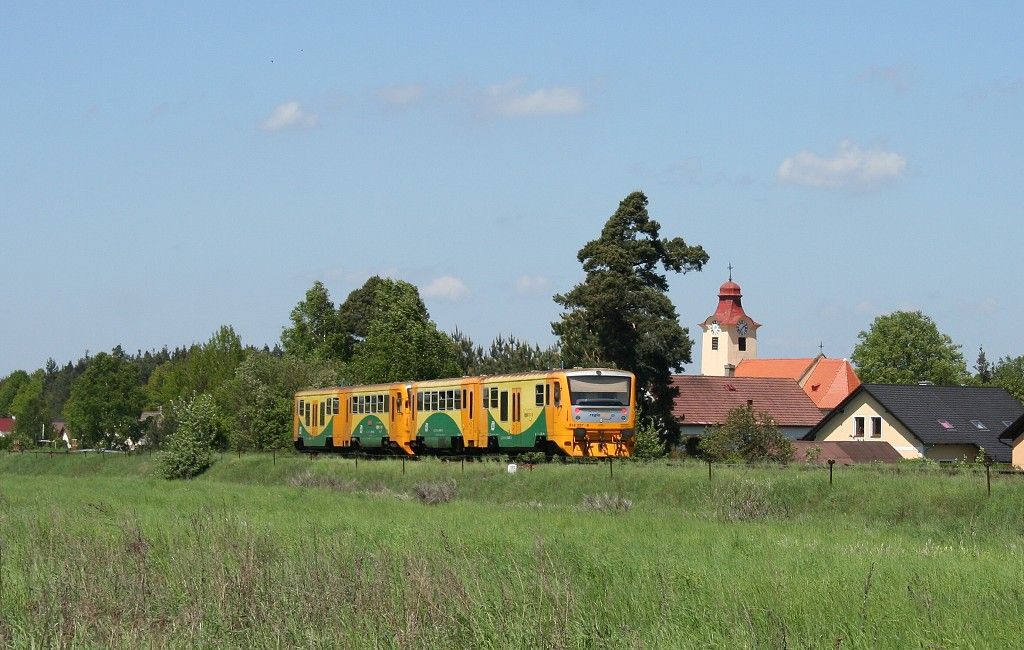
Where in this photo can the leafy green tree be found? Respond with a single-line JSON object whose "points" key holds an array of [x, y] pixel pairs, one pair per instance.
{"points": [[746, 435], [105, 402], [257, 401], [402, 343], [359, 311], [31, 412], [202, 370], [9, 387], [905, 348], [621, 314], [315, 332], [982, 368], [1008, 372], [189, 450]]}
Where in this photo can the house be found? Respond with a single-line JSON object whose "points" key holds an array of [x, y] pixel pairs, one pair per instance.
{"points": [[705, 401], [6, 427], [843, 452], [826, 381], [943, 423], [1014, 436]]}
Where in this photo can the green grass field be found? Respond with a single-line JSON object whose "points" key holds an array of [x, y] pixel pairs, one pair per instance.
{"points": [[96, 551]]}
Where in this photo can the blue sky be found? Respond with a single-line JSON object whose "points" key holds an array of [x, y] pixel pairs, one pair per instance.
{"points": [[167, 169]]}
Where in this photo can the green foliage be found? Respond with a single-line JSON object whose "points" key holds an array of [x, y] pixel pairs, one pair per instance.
{"points": [[316, 331], [1009, 374], [105, 403], [257, 401], [621, 315], [746, 435], [905, 348], [648, 444], [9, 387], [982, 368], [402, 343], [202, 369], [359, 311], [32, 413], [506, 355], [189, 450]]}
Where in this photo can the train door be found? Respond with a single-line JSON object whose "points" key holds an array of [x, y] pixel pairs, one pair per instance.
{"points": [[472, 415], [399, 418], [516, 426], [312, 417]]}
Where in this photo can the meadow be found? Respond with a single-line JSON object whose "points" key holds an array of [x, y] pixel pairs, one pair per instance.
{"points": [[287, 551]]}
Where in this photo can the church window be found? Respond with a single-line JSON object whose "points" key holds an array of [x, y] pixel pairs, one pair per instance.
{"points": [[743, 343], [714, 342]]}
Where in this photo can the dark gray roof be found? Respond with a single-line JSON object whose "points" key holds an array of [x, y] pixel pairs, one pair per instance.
{"points": [[1013, 431], [924, 409]]}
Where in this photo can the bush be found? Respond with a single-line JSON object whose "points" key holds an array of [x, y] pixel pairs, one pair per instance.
{"points": [[746, 435], [436, 492], [189, 450], [648, 444], [746, 500]]}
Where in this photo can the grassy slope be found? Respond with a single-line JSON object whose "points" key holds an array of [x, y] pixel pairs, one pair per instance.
{"points": [[96, 551]]}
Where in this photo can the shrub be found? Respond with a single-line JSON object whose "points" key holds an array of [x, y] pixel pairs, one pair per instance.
{"points": [[648, 444], [746, 435], [436, 492], [189, 450], [746, 500], [532, 457]]}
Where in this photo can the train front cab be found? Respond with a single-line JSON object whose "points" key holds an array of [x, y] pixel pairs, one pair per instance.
{"points": [[594, 412]]}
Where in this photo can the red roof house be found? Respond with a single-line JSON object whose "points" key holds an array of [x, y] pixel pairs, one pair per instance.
{"points": [[6, 426], [826, 381]]}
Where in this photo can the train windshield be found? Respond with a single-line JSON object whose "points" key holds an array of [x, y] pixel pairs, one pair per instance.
{"points": [[596, 390]]}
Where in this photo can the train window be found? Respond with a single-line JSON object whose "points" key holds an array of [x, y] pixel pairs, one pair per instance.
{"points": [[503, 406], [539, 394], [494, 398], [547, 394], [419, 400], [337, 405], [460, 397], [323, 412], [434, 402], [450, 398], [302, 408], [470, 405], [558, 394], [387, 403], [486, 397]]}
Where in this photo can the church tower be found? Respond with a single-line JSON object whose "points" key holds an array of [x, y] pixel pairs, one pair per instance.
{"points": [[730, 336]]}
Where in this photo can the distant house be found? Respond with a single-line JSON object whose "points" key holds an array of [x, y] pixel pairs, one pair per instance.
{"points": [[826, 381], [943, 423], [6, 427], [704, 401], [844, 452], [1014, 436]]}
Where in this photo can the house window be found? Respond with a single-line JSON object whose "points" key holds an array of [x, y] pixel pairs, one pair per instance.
{"points": [[714, 342], [946, 424], [743, 343], [858, 427], [979, 425], [876, 427]]}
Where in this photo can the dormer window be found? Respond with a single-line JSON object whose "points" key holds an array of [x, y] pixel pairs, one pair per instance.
{"points": [[946, 424], [979, 425]]}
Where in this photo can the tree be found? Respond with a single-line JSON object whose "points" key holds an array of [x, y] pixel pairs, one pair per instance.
{"points": [[402, 343], [9, 387], [906, 348], [189, 450], [982, 367], [316, 331], [621, 315], [507, 355], [201, 370], [31, 413], [1009, 373], [105, 402], [257, 401], [746, 435], [359, 311]]}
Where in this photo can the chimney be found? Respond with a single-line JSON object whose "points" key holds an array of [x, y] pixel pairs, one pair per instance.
{"points": [[730, 370]]}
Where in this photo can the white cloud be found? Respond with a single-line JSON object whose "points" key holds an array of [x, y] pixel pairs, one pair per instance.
{"points": [[531, 284], [850, 166], [403, 95], [512, 100], [446, 288], [288, 115]]}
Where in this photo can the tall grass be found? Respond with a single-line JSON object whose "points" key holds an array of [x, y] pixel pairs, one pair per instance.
{"points": [[98, 552]]}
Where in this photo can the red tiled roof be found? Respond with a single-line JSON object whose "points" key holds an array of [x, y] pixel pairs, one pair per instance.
{"points": [[830, 382], [791, 368], [847, 452], [6, 425], [707, 400]]}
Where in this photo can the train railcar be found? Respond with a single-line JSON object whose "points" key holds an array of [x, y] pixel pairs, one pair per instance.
{"points": [[577, 412]]}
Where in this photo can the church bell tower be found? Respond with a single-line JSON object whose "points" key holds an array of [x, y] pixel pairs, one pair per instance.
{"points": [[730, 336]]}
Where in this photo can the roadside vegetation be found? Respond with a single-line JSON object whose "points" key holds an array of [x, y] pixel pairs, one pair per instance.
{"points": [[281, 551]]}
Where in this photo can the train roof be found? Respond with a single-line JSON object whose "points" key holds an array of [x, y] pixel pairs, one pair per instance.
{"points": [[448, 381]]}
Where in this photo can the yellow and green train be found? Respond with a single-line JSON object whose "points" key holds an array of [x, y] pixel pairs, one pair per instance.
{"points": [[578, 412]]}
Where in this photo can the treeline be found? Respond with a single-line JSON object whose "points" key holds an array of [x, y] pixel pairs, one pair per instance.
{"points": [[382, 332]]}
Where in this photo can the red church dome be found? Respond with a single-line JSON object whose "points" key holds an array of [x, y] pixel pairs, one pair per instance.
{"points": [[730, 306]]}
